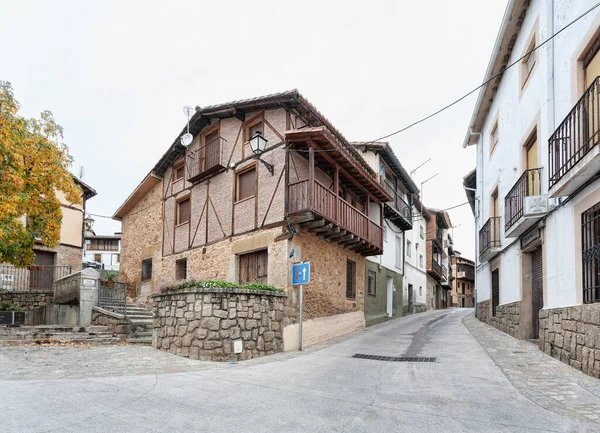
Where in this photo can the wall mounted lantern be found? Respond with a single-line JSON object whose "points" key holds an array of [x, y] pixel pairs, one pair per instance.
{"points": [[258, 144]]}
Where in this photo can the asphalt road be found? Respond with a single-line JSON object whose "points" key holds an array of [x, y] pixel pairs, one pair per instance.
{"points": [[321, 390]]}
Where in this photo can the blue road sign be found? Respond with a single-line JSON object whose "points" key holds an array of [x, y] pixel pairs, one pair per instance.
{"points": [[301, 273]]}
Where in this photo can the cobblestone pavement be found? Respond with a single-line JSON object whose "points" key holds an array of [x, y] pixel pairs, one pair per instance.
{"points": [[544, 380]]}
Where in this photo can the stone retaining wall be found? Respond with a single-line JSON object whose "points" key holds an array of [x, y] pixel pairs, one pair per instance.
{"points": [[507, 318], [572, 335], [116, 323], [205, 323], [27, 300], [483, 311]]}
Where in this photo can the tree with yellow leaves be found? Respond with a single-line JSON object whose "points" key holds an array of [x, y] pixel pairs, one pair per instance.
{"points": [[34, 165]]}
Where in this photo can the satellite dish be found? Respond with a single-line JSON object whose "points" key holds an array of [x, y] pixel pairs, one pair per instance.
{"points": [[188, 110], [186, 139]]}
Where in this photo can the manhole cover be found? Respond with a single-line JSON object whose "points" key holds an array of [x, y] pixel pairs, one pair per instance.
{"points": [[394, 358]]}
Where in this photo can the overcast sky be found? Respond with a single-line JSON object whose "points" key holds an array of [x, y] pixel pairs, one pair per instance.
{"points": [[117, 73]]}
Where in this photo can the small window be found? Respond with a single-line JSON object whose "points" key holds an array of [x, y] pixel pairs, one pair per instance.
{"points": [[421, 232], [528, 62], [98, 258], [253, 129], [408, 248], [183, 211], [372, 283], [116, 258], [399, 255], [146, 270], [179, 172], [494, 138], [254, 267], [421, 260], [420, 290], [246, 184], [350, 279], [181, 269]]}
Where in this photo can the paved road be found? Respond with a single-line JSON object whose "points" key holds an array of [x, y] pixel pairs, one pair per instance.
{"points": [[471, 387]]}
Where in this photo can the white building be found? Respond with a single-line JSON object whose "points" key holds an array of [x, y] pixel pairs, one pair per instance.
{"points": [[384, 296], [104, 249], [537, 127], [415, 262]]}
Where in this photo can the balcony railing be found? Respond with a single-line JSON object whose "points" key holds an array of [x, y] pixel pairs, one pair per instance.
{"points": [[466, 274], [436, 268], [101, 247], [206, 160], [444, 273], [528, 184], [334, 209], [400, 207], [34, 278], [489, 236], [578, 133]]}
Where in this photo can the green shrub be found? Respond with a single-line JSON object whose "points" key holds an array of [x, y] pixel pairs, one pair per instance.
{"points": [[214, 284], [8, 306]]}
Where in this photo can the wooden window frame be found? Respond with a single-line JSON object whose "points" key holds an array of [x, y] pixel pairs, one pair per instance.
{"points": [[177, 211], [253, 166], [178, 264], [255, 253], [253, 121], [372, 283], [494, 136], [351, 263], [176, 168], [202, 150], [525, 72], [147, 273]]}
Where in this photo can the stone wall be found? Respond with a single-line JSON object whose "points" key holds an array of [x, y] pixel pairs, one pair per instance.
{"points": [[27, 301], [483, 311], [116, 323], [65, 255], [572, 335], [205, 323], [507, 318]]}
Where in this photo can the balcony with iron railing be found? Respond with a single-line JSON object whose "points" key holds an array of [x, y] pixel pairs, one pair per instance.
{"points": [[518, 217], [573, 151], [206, 161], [318, 209], [397, 210], [489, 239]]}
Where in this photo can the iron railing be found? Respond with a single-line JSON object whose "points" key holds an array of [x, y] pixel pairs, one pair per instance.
{"points": [[465, 273], [590, 254], [527, 185], [112, 295], [398, 203], [578, 133], [489, 235], [206, 160], [34, 278]]}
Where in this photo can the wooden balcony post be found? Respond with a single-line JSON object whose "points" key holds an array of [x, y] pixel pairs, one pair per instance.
{"points": [[336, 187], [286, 167], [367, 214], [311, 175]]}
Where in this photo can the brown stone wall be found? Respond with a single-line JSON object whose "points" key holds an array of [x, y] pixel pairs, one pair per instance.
{"points": [[116, 324], [326, 293], [27, 301], [572, 335], [65, 255], [507, 318], [483, 311], [142, 237], [205, 323]]}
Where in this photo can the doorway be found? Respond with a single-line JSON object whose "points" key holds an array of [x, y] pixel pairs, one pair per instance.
{"points": [[41, 274], [390, 297], [537, 290], [495, 290], [410, 299]]}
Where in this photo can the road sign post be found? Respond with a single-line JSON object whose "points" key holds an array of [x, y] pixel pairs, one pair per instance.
{"points": [[300, 277]]}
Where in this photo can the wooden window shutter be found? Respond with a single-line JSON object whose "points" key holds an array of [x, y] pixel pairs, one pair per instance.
{"points": [[179, 172], [254, 267], [350, 279], [246, 184], [184, 212]]}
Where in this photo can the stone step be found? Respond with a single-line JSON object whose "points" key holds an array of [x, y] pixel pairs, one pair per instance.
{"points": [[139, 340]]}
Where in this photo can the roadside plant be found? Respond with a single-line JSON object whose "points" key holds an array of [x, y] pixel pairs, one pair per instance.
{"points": [[213, 284], [9, 306]]}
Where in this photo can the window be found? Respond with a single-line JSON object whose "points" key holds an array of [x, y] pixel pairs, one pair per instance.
{"points": [[146, 269], [252, 130], [181, 269], [350, 279], [183, 211], [399, 255], [179, 172], [408, 248], [98, 258], [254, 267], [422, 232], [116, 258], [494, 137], [421, 260], [590, 254], [246, 184], [529, 61], [420, 290], [371, 283]]}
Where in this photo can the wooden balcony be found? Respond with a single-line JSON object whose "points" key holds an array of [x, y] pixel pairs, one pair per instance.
{"points": [[466, 274], [573, 151], [444, 276], [435, 270], [206, 161], [489, 239], [318, 209], [397, 210]]}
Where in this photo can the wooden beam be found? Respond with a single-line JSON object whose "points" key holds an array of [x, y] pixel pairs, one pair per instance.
{"points": [[335, 235], [240, 114], [333, 231], [345, 238], [353, 241], [324, 228], [311, 175], [358, 245], [301, 218], [313, 224]]}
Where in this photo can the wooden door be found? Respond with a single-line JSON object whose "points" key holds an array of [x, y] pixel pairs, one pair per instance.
{"points": [[211, 150], [537, 290], [495, 290], [592, 71], [532, 162], [495, 226], [41, 274]]}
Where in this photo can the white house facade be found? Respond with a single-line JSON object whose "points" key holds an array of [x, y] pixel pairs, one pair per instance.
{"points": [[536, 127], [415, 273], [103, 249]]}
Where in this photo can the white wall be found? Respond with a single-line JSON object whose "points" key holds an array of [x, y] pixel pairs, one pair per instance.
{"points": [[517, 112], [414, 273]]}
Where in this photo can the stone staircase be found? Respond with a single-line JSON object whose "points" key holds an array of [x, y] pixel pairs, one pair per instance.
{"points": [[57, 335], [141, 321]]}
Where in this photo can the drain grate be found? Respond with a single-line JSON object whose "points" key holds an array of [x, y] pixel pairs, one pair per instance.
{"points": [[394, 358]]}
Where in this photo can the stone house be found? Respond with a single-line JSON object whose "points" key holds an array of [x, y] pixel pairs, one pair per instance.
{"points": [[437, 252], [215, 210], [384, 292], [463, 281], [536, 127]]}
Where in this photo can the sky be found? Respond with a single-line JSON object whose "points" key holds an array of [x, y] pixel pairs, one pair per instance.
{"points": [[116, 75]]}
